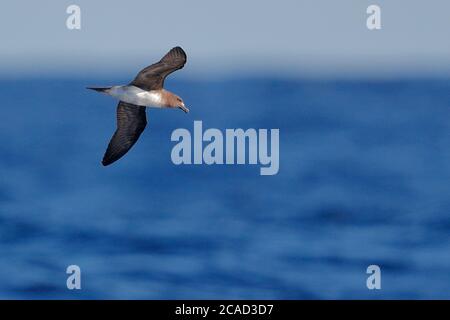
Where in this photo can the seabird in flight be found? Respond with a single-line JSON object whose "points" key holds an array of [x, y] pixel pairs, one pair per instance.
{"points": [[146, 90]]}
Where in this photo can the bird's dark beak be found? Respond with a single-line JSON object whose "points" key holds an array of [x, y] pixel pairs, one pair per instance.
{"points": [[182, 107], [99, 89]]}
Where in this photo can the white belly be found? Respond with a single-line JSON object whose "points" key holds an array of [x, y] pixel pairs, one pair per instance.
{"points": [[137, 96]]}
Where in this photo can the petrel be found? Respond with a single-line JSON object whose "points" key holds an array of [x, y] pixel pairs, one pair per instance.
{"points": [[146, 90]]}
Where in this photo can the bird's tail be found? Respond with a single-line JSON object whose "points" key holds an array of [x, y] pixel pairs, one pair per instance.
{"points": [[99, 89]]}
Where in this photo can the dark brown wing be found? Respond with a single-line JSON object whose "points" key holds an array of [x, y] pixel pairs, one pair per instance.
{"points": [[152, 77], [131, 121]]}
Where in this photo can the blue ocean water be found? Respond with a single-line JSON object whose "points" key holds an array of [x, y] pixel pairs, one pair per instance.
{"points": [[364, 179]]}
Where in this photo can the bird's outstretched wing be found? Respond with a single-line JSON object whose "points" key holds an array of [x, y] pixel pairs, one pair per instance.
{"points": [[131, 121], [152, 77]]}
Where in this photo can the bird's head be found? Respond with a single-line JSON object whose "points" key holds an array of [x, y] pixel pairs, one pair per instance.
{"points": [[177, 102]]}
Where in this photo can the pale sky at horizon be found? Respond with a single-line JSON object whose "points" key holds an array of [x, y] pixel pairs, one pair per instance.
{"points": [[292, 36]]}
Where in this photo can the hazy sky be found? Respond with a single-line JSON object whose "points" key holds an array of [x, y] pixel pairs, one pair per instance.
{"points": [[304, 36]]}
